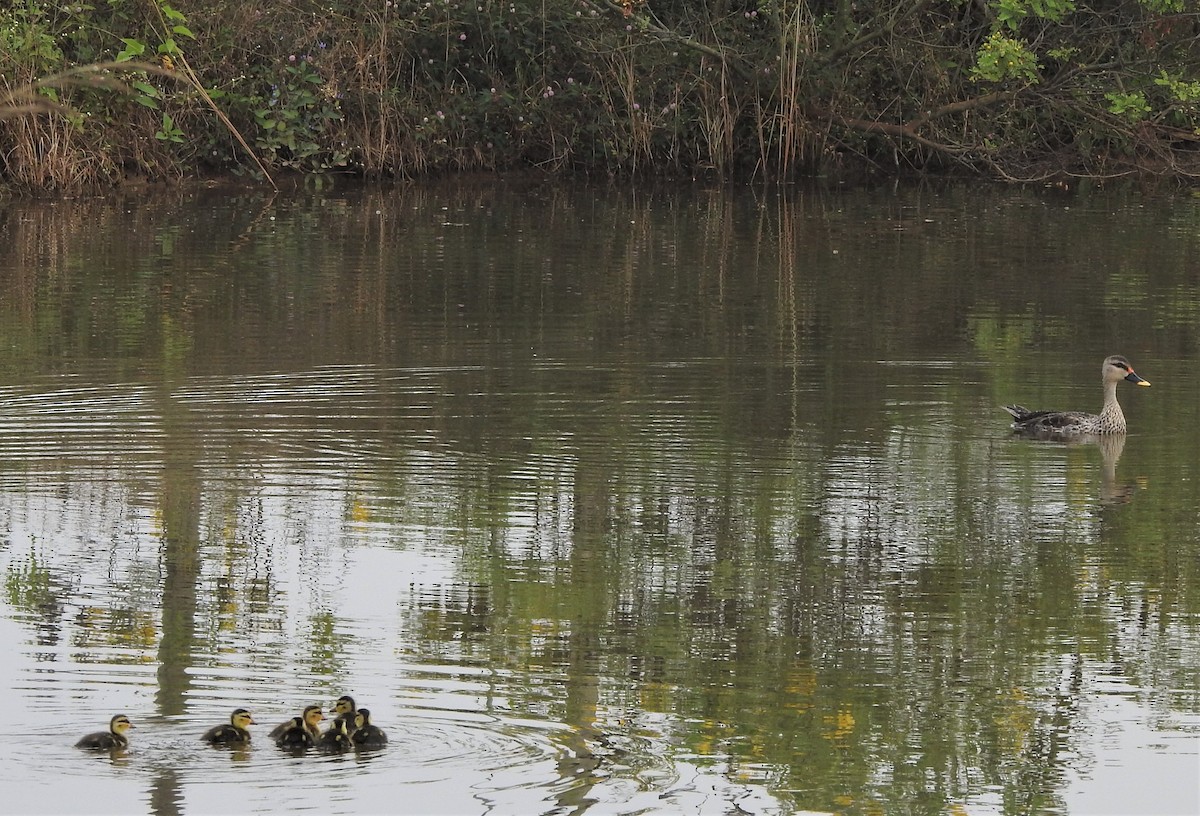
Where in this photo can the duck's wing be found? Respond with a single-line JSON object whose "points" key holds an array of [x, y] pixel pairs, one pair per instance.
{"points": [[1048, 421]]}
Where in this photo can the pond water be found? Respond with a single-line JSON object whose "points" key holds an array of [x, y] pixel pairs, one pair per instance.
{"points": [[604, 500]]}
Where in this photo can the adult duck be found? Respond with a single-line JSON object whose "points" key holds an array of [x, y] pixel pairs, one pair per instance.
{"points": [[113, 738], [1110, 420]]}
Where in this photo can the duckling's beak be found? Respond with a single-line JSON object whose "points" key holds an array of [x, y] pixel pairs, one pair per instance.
{"points": [[1134, 378]]}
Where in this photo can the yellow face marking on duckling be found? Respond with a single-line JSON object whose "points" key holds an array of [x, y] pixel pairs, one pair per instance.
{"points": [[120, 724]]}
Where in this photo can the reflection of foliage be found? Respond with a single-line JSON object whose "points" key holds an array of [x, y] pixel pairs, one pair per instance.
{"points": [[876, 613], [327, 647], [30, 586], [123, 626]]}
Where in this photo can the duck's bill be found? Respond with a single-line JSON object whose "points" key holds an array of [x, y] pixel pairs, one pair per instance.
{"points": [[1134, 378]]}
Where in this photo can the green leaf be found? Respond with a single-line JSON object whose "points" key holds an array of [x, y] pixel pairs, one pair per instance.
{"points": [[146, 101], [172, 14], [183, 31], [133, 48], [148, 90]]}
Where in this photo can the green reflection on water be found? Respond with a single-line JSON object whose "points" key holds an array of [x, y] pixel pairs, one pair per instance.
{"points": [[711, 477]]}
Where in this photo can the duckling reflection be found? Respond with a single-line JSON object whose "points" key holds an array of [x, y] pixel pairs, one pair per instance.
{"points": [[366, 735], [113, 738], [234, 731]]}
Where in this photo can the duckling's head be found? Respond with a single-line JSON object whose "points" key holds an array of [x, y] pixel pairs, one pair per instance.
{"points": [[119, 724], [344, 705], [240, 718], [312, 715], [362, 717]]}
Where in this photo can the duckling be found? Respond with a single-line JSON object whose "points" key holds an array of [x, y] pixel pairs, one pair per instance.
{"points": [[232, 731], [336, 737], [344, 708], [366, 735], [114, 737], [294, 735], [311, 718]]}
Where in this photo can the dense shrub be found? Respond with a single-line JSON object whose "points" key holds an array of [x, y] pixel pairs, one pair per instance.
{"points": [[770, 88]]}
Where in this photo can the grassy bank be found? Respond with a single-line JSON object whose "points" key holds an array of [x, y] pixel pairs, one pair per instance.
{"points": [[773, 90]]}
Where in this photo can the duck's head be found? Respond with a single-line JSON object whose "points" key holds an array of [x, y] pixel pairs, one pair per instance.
{"points": [[1117, 368], [362, 717], [119, 724], [312, 715], [240, 718], [344, 705]]}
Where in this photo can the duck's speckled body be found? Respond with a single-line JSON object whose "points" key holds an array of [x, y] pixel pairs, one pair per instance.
{"points": [[1110, 420], [114, 737]]}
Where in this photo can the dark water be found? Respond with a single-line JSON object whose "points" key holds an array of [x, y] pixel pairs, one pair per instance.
{"points": [[603, 500]]}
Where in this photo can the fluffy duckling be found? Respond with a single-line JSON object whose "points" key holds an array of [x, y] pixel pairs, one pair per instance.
{"points": [[294, 734], [344, 709], [114, 737], [337, 737], [366, 735], [311, 719], [232, 731]]}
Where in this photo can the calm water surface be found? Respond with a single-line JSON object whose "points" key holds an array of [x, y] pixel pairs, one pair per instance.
{"points": [[603, 500]]}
